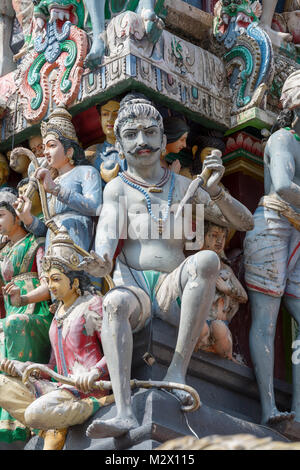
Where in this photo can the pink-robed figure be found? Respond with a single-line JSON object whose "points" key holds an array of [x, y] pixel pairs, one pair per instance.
{"points": [[75, 336]]}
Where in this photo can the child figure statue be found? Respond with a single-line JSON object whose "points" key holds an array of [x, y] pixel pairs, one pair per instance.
{"points": [[216, 336]]}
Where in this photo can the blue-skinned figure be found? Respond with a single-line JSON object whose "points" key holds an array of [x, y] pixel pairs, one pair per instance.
{"points": [[272, 253]]}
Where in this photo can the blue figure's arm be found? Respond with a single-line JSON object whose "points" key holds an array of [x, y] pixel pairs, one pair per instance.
{"points": [[87, 202], [37, 227]]}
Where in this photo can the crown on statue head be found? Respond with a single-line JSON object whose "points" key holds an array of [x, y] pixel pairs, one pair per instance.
{"points": [[59, 124], [62, 253]]}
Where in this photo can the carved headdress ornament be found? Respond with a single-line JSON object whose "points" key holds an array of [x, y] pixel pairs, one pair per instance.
{"points": [[62, 253], [60, 124]]}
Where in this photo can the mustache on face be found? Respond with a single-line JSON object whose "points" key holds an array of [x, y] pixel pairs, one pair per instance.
{"points": [[144, 147]]}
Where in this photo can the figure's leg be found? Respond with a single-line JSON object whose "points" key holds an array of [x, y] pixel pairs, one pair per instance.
{"points": [[223, 339], [96, 9], [266, 21], [293, 307], [56, 411], [198, 281], [121, 309], [147, 5], [59, 409], [14, 397], [203, 340], [153, 24], [264, 309]]}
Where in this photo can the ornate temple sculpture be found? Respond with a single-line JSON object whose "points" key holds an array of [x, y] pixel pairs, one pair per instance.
{"points": [[100, 10], [152, 271], [75, 336], [19, 162], [272, 253], [24, 330], [292, 18], [105, 156], [75, 196], [216, 336], [177, 132], [249, 50]]}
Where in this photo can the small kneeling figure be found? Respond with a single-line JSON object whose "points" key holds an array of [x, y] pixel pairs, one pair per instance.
{"points": [[216, 336], [75, 336]]}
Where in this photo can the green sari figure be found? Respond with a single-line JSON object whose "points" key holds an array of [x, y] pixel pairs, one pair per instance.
{"points": [[24, 330]]}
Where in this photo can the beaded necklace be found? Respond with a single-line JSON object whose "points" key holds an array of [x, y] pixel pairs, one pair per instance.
{"points": [[156, 188], [60, 318], [297, 137], [159, 220]]}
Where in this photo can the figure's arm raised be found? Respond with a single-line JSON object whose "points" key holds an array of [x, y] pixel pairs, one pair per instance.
{"points": [[224, 209], [88, 202], [227, 211]]}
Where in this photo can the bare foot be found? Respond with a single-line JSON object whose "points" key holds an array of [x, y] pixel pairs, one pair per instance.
{"points": [[277, 417], [185, 398], [277, 37], [94, 57], [114, 427]]}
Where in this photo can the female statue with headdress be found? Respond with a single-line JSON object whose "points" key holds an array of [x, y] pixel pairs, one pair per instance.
{"points": [[24, 330], [75, 336], [75, 195]]}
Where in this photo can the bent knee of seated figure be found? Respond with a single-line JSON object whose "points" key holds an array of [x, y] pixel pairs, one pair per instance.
{"points": [[221, 332], [35, 415], [207, 264], [120, 302]]}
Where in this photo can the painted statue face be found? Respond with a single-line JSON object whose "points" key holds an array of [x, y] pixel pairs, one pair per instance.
{"points": [[55, 152], [59, 284], [215, 239], [36, 146], [8, 223], [19, 163], [176, 147], [109, 113], [141, 141]]}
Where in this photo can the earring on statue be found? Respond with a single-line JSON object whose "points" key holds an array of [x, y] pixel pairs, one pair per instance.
{"points": [[121, 156]]}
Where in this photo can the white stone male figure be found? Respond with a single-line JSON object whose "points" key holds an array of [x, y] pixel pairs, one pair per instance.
{"points": [[152, 269]]}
